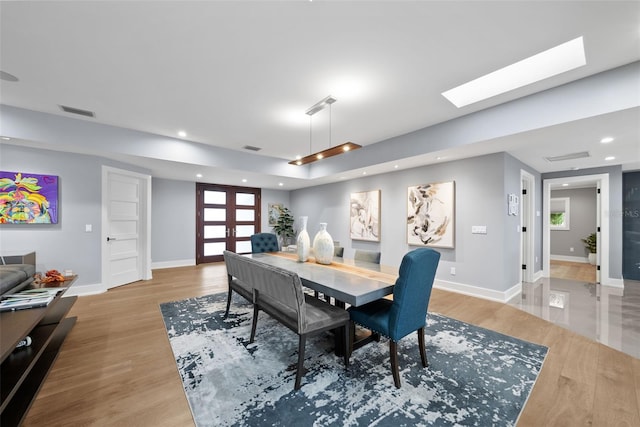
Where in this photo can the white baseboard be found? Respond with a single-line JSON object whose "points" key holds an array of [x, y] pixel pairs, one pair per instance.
{"points": [[82, 290], [475, 291], [614, 283], [538, 275], [580, 259], [172, 264]]}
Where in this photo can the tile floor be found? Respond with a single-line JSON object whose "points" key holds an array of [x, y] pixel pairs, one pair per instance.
{"points": [[603, 313]]}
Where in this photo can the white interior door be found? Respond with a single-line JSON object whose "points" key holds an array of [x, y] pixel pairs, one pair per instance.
{"points": [[124, 245]]}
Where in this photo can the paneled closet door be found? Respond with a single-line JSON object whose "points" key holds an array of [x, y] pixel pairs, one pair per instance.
{"points": [[226, 217]]}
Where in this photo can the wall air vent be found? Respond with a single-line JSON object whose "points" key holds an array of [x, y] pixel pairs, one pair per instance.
{"points": [[251, 148], [572, 156], [72, 110]]}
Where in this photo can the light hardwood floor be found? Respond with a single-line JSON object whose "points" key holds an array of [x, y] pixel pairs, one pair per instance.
{"points": [[573, 271], [116, 367]]}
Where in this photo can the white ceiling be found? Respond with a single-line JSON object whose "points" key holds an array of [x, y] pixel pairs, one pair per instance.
{"points": [[236, 73]]}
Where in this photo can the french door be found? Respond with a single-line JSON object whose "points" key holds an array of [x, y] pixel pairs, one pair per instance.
{"points": [[227, 216]]}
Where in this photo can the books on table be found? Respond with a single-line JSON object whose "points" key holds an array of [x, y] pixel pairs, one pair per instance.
{"points": [[30, 298]]}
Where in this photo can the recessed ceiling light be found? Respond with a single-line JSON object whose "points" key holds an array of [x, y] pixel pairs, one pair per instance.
{"points": [[6, 138], [395, 166], [364, 173], [606, 140], [551, 62], [280, 184], [244, 180], [182, 134], [609, 158], [198, 175], [565, 185]]}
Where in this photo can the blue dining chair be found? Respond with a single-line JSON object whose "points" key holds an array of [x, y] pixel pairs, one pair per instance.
{"points": [[264, 242], [408, 310]]}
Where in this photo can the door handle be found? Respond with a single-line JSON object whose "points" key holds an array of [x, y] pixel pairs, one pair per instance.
{"points": [[110, 238]]}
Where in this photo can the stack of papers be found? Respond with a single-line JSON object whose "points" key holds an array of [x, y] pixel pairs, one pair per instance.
{"points": [[30, 298]]}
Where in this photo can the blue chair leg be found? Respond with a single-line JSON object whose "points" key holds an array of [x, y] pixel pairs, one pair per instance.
{"points": [[393, 353], [423, 353]]}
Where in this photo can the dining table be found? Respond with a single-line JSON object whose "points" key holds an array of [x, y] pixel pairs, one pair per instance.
{"points": [[347, 281]]}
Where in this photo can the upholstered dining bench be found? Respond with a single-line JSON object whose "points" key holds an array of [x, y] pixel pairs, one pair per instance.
{"points": [[278, 292]]}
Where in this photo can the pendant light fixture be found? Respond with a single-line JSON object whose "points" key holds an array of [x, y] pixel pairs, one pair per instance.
{"points": [[331, 151]]}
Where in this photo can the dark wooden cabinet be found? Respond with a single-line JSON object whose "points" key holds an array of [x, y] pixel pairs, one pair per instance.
{"points": [[23, 370]]}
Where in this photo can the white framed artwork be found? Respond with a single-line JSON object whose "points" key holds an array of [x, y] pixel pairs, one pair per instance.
{"points": [[364, 216], [431, 215]]}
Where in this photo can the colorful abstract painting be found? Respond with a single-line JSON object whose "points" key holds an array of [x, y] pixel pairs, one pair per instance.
{"points": [[364, 216], [430, 215], [28, 198]]}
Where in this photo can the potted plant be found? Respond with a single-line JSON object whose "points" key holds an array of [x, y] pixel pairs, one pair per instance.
{"points": [[284, 226], [591, 244]]}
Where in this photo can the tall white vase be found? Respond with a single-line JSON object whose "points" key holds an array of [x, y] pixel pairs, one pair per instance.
{"points": [[303, 242], [323, 245]]}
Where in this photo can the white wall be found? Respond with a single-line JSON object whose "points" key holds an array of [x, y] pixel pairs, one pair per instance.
{"points": [[582, 222], [489, 262], [173, 223], [65, 245]]}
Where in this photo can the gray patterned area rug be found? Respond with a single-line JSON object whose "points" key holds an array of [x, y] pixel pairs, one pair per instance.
{"points": [[476, 377]]}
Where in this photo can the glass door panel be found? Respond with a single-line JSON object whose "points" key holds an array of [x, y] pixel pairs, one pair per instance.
{"points": [[245, 199]]}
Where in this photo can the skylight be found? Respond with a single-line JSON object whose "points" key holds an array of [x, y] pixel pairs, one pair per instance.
{"points": [[557, 60]]}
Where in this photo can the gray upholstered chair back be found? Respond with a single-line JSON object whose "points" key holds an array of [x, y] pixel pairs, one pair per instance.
{"points": [[368, 256]]}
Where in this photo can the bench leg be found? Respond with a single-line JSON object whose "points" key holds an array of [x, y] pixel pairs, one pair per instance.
{"points": [[254, 323], [300, 370], [226, 313]]}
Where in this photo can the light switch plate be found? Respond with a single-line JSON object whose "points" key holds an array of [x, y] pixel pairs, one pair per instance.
{"points": [[479, 229]]}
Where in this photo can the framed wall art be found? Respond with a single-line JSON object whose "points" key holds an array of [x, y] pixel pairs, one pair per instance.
{"points": [[274, 213], [431, 215], [364, 215], [28, 198]]}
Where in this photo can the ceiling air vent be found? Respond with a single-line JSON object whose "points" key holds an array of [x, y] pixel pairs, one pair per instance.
{"points": [[72, 110], [572, 156], [251, 148]]}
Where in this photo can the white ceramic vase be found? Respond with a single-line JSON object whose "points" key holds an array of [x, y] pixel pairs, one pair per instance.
{"points": [[303, 242], [323, 245]]}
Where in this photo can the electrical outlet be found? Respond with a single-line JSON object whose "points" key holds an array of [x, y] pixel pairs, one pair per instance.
{"points": [[453, 271]]}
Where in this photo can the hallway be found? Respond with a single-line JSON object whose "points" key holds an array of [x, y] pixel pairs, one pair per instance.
{"points": [[606, 314]]}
